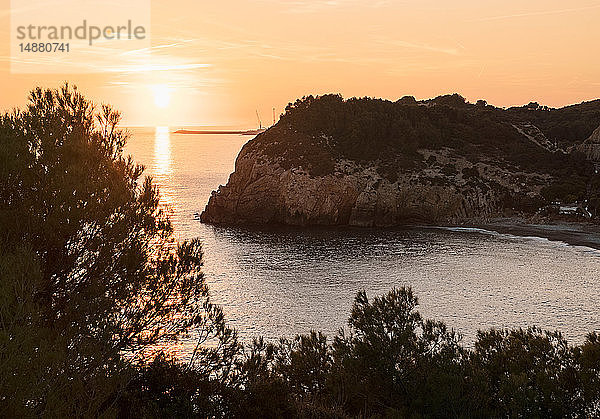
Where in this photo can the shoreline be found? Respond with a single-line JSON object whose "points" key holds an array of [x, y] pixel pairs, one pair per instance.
{"points": [[238, 132], [569, 232]]}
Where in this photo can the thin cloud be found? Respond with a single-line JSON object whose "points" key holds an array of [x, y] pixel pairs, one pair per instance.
{"points": [[158, 47], [145, 68], [426, 47], [313, 6], [539, 13]]}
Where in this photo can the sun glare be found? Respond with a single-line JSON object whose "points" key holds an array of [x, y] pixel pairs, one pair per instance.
{"points": [[162, 95]]}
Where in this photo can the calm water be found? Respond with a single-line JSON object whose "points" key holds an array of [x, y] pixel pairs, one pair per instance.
{"points": [[275, 282]]}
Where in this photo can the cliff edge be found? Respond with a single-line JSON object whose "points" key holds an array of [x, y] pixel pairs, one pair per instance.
{"points": [[366, 162]]}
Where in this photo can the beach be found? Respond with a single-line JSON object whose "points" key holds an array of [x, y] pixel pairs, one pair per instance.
{"points": [[571, 232]]}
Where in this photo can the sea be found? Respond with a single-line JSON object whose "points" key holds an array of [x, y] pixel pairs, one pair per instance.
{"points": [[281, 281]]}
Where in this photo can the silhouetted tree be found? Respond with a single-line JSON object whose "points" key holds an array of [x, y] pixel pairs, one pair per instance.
{"points": [[91, 278]]}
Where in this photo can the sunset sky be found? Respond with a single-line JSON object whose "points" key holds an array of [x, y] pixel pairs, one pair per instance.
{"points": [[215, 63]]}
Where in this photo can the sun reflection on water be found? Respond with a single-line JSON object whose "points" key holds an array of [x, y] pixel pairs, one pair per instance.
{"points": [[162, 152], [162, 169]]}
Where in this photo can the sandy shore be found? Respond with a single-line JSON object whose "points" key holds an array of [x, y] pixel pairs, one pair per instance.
{"points": [[574, 233]]}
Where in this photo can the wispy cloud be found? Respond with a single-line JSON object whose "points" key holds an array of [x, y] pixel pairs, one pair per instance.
{"points": [[426, 47], [106, 57], [313, 6], [537, 13], [146, 68], [160, 48]]}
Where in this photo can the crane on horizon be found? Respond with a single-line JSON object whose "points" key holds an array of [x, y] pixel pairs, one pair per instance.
{"points": [[259, 121]]}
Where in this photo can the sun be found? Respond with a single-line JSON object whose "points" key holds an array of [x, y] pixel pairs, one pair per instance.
{"points": [[162, 95]]}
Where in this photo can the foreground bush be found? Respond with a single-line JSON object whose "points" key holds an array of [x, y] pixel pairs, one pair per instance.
{"points": [[393, 363]]}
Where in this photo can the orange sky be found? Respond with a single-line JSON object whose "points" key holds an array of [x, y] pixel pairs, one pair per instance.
{"points": [[222, 60]]}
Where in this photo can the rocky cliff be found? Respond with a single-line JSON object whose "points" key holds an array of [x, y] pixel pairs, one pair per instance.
{"points": [[304, 172], [591, 146]]}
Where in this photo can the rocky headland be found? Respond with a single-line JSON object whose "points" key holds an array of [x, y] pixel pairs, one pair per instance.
{"points": [[368, 162]]}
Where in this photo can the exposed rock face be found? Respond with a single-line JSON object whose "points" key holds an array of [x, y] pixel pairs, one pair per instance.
{"points": [[591, 146], [535, 135], [370, 162], [261, 191]]}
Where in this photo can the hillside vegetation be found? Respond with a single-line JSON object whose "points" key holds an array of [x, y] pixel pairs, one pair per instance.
{"points": [[365, 128], [408, 136]]}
